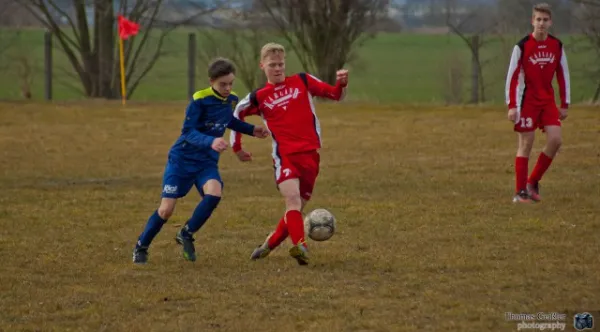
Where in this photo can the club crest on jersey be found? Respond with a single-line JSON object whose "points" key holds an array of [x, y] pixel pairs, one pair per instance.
{"points": [[542, 58], [281, 98]]}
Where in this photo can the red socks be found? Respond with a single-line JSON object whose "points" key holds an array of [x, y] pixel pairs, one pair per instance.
{"points": [[521, 170], [295, 226], [280, 234], [541, 166]]}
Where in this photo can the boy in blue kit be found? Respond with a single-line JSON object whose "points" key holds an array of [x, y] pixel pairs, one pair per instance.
{"points": [[193, 159]]}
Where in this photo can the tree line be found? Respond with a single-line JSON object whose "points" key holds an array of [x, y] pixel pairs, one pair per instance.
{"points": [[323, 34]]}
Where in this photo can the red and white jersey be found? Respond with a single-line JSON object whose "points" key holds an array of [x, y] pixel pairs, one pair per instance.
{"points": [[288, 112], [531, 71]]}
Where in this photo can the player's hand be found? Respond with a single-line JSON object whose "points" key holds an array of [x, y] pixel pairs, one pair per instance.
{"points": [[219, 144], [244, 156], [342, 76], [563, 113], [260, 132], [512, 115]]}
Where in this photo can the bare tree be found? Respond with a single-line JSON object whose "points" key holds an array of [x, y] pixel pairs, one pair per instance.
{"points": [[240, 39], [89, 41], [595, 3], [588, 14], [476, 28], [453, 81], [9, 32], [324, 34]]}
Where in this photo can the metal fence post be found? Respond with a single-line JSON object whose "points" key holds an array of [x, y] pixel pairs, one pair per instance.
{"points": [[191, 64], [48, 65]]}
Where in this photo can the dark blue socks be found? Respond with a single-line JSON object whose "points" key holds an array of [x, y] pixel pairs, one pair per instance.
{"points": [[202, 213], [153, 226]]}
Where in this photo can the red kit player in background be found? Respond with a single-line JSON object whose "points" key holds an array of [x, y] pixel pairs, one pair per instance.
{"points": [[287, 108], [530, 98]]}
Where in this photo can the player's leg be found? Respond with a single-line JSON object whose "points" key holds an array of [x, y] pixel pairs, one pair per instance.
{"points": [[552, 127], [274, 239], [526, 140], [175, 185], [525, 127], [281, 232], [307, 165], [153, 227], [210, 186], [284, 170], [290, 190]]}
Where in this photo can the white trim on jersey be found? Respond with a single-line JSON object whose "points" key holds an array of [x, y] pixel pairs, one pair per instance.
{"points": [[242, 105], [565, 71], [276, 159], [313, 109], [514, 67]]}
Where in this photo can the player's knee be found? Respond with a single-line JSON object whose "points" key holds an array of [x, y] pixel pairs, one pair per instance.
{"points": [[293, 201], [165, 213], [213, 188], [526, 144], [166, 208], [555, 142], [524, 151]]}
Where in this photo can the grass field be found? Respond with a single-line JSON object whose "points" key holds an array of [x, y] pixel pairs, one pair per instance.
{"points": [[392, 68], [428, 238]]}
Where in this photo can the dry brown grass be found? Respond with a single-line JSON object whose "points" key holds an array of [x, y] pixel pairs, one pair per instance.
{"points": [[428, 238]]}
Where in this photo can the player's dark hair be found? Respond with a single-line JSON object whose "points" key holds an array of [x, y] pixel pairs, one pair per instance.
{"points": [[220, 67]]}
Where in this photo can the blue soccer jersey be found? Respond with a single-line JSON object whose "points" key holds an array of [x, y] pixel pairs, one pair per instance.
{"points": [[192, 159]]}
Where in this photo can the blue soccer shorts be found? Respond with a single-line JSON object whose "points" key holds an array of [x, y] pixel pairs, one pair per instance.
{"points": [[178, 181]]}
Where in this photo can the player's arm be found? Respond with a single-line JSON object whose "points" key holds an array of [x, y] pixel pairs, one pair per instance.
{"points": [[318, 88], [513, 77], [563, 78], [191, 134], [240, 126], [243, 109], [515, 83]]}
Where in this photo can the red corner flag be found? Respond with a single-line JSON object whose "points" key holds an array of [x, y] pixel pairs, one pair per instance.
{"points": [[127, 28]]}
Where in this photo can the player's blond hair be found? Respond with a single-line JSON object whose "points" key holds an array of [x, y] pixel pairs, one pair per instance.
{"points": [[542, 8], [271, 48]]}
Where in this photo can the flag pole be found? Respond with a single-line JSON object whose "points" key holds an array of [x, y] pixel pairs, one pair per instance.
{"points": [[122, 60]]}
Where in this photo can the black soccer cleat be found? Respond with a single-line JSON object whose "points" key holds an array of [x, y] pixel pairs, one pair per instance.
{"points": [[140, 255], [187, 241]]}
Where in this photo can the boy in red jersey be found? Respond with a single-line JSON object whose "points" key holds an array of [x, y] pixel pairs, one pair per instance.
{"points": [[530, 98], [286, 105]]}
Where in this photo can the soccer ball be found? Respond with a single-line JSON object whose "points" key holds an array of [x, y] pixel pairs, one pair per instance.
{"points": [[319, 224]]}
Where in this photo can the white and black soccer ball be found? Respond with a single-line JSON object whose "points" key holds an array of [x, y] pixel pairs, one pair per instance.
{"points": [[319, 224]]}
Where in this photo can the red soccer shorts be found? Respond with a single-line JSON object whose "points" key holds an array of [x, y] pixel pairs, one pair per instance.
{"points": [[303, 166], [533, 117]]}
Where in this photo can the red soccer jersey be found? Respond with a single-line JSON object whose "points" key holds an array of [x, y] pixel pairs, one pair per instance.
{"points": [[531, 71], [288, 112]]}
